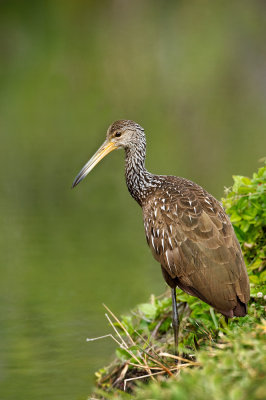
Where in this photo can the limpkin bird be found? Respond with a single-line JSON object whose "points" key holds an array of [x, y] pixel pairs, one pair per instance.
{"points": [[187, 229]]}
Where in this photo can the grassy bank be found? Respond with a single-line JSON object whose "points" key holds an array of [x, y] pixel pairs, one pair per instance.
{"points": [[215, 359]]}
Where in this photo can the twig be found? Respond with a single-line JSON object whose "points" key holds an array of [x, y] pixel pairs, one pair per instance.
{"points": [[103, 337], [178, 358], [177, 368], [124, 345], [122, 374], [167, 370], [116, 331], [120, 324], [141, 377], [148, 344], [128, 335], [144, 367], [159, 372]]}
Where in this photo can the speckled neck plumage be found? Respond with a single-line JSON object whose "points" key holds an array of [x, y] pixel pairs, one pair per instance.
{"points": [[139, 181]]}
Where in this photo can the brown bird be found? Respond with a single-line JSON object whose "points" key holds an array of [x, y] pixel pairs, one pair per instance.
{"points": [[187, 229]]}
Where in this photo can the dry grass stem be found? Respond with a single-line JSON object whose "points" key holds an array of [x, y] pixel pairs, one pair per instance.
{"points": [[103, 337], [125, 346], [178, 358], [120, 324], [141, 377]]}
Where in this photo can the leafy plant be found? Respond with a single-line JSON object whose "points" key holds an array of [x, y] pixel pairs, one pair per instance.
{"points": [[232, 366], [245, 203], [232, 370]]}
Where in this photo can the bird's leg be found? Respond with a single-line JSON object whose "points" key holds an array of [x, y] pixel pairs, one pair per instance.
{"points": [[175, 319]]}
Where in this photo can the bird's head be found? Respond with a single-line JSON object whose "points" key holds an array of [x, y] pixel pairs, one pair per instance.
{"points": [[121, 134], [124, 133]]}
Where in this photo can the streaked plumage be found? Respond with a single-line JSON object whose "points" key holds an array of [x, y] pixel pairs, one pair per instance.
{"points": [[186, 228], [192, 238]]}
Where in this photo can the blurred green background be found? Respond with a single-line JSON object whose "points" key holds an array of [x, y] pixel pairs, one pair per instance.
{"points": [[193, 74]]}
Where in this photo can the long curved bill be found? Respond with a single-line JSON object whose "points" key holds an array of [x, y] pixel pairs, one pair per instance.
{"points": [[105, 149]]}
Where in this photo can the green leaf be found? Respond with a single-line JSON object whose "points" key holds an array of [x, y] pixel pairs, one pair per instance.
{"points": [[235, 218], [263, 276], [244, 225], [214, 318], [262, 172], [240, 235], [149, 310], [254, 279], [122, 354], [131, 348]]}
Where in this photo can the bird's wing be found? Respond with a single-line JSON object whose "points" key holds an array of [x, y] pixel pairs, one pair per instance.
{"points": [[193, 239]]}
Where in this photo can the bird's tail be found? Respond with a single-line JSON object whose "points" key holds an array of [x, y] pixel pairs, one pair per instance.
{"points": [[241, 309]]}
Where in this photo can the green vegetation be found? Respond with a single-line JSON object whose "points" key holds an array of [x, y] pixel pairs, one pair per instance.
{"points": [[245, 204], [218, 360], [233, 370]]}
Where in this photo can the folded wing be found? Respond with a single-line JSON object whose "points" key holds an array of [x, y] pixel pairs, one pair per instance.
{"points": [[193, 239]]}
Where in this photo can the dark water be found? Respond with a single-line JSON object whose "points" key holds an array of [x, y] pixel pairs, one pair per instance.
{"points": [[193, 77]]}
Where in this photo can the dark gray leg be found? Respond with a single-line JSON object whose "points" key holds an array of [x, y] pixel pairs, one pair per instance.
{"points": [[175, 319]]}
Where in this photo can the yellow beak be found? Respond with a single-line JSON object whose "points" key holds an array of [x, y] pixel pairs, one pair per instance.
{"points": [[105, 149]]}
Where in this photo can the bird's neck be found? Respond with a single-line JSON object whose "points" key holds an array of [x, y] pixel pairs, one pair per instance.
{"points": [[139, 180]]}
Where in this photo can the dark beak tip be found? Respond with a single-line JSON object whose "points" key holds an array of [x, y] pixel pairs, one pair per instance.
{"points": [[74, 184], [77, 180]]}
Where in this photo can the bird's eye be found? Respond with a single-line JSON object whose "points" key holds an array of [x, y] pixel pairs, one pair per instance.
{"points": [[118, 134]]}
